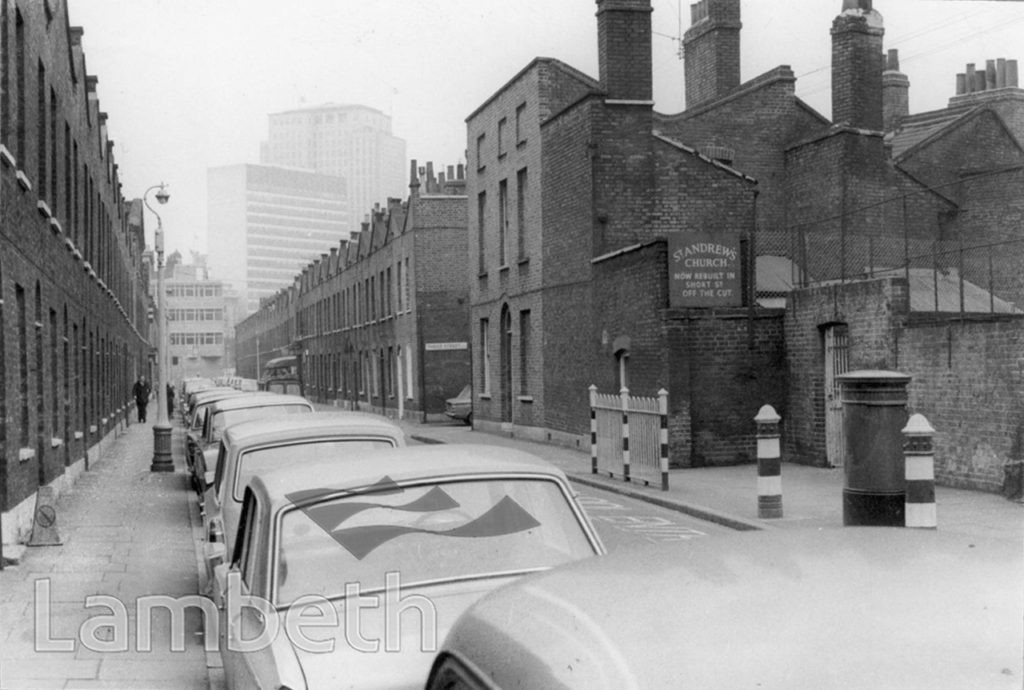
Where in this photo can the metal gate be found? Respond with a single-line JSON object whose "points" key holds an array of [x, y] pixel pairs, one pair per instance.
{"points": [[837, 361]]}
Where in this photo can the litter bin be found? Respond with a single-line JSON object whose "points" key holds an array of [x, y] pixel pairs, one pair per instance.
{"points": [[874, 414]]}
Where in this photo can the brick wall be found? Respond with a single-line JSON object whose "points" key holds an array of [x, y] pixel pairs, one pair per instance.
{"points": [[758, 122], [968, 381], [726, 364], [72, 248], [873, 310]]}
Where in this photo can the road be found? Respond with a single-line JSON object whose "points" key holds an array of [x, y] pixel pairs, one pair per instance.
{"points": [[624, 521]]}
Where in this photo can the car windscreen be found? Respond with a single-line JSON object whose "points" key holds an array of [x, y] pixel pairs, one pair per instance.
{"points": [[428, 532], [225, 418], [267, 458]]}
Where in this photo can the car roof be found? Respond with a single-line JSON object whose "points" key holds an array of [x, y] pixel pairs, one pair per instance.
{"points": [[258, 399], [318, 424], [208, 394], [850, 607], [366, 468]]}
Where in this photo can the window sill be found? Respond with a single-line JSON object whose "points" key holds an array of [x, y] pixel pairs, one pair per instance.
{"points": [[523, 260], [503, 268], [484, 396], [482, 276], [525, 398]]}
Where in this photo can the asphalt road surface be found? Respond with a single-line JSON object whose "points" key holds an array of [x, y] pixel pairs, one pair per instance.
{"points": [[624, 521]]}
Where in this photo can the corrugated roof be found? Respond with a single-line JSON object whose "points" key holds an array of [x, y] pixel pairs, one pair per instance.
{"points": [[940, 291]]}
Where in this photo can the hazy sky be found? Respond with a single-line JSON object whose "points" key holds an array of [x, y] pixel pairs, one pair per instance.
{"points": [[188, 84]]}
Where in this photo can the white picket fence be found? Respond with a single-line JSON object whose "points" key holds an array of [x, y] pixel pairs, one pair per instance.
{"points": [[629, 436]]}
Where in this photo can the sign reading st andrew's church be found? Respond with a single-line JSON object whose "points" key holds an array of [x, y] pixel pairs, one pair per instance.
{"points": [[704, 269]]}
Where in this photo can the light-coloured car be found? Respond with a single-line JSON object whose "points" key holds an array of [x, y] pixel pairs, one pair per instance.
{"points": [[857, 607], [460, 407], [190, 385], [195, 417], [254, 447], [240, 408], [361, 566]]}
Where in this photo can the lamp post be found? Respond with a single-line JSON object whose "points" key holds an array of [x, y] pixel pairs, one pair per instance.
{"points": [[162, 459]]}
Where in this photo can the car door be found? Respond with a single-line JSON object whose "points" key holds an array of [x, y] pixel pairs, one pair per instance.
{"points": [[235, 585]]}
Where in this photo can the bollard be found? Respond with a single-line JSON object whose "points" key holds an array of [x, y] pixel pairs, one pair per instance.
{"points": [[593, 428], [769, 465], [919, 458]]}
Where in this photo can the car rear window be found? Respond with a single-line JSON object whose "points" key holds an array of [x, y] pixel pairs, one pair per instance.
{"points": [[225, 418], [272, 457], [426, 533]]}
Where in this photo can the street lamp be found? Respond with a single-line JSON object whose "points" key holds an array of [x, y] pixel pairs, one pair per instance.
{"points": [[162, 459]]}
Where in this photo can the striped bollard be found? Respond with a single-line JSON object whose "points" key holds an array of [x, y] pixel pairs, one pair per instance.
{"points": [[769, 466], [593, 428], [624, 395], [919, 460], [663, 436]]}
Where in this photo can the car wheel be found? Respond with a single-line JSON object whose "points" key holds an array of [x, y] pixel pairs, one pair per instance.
{"points": [[469, 419]]}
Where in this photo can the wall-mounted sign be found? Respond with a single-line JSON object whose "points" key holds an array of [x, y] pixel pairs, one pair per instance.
{"points": [[704, 269], [429, 347]]}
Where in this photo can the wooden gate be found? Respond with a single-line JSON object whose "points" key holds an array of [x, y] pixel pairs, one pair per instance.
{"points": [[629, 436], [837, 361]]}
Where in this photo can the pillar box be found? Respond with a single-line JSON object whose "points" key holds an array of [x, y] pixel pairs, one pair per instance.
{"points": [[874, 414]]}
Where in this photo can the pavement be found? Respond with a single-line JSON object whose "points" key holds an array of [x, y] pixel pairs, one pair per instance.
{"points": [[812, 497], [128, 533]]}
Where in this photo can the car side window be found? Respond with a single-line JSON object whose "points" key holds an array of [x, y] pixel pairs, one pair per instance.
{"points": [[218, 473], [244, 546], [450, 674]]}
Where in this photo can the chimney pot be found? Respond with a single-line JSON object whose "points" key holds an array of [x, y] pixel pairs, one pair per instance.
{"points": [[1001, 73]]}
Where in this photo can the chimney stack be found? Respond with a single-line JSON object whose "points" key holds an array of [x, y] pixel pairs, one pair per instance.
{"points": [[998, 74], [711, 50], [857, 65], [895, 92], [624, 49]]}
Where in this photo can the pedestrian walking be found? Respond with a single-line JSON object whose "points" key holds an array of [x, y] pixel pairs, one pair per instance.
{"points": [[141, 391], [170, 400]]}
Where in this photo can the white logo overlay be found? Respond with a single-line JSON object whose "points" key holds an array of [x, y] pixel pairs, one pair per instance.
{"points": [[251, 623]]}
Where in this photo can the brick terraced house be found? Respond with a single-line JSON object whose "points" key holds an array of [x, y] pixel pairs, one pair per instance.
{"points": [[379, 322], [73, 276], [858, 238]]}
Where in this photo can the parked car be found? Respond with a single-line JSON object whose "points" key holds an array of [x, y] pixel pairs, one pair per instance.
{"points": [[193, 384], [430, 528], [250, 448], [461, 406], [232, 410], [189, 402], [844, 608], [195, 416]]}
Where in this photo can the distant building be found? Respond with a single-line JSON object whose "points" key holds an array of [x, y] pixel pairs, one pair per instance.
{"points": [[266, 222], [381, 321], [352, 141], [201, 316]]}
